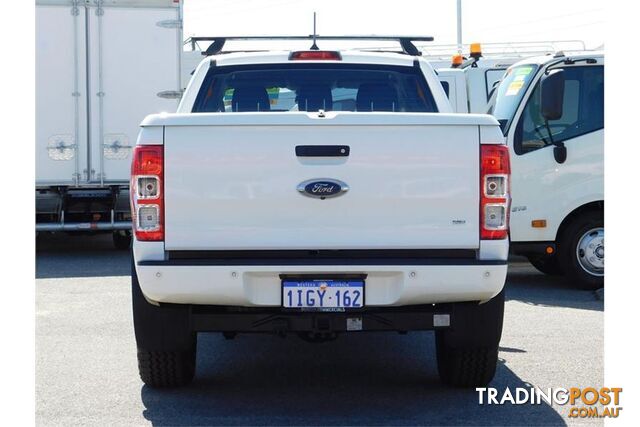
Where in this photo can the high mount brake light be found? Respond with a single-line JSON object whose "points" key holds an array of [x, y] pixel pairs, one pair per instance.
{"points": [[495, 189], [315, 55], [147, 192]]}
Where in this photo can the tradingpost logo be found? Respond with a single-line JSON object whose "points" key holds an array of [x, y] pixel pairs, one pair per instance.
{"points": [[588, 402]]}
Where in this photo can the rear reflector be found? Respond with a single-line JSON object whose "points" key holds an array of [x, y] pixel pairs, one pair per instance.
{"points": [[495, 196], [147, 198], [315, 55]]}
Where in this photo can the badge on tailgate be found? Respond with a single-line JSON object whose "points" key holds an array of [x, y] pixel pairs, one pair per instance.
{"points": [[322, 188]]}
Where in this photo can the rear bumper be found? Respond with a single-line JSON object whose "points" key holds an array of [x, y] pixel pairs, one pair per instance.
{"points": [[432, 281]]}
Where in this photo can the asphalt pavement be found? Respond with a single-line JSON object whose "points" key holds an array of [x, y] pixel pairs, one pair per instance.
{"points": [[86, 370]]}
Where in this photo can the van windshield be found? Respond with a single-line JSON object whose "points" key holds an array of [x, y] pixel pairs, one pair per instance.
{"points": [[510, 92], [313, 87]]}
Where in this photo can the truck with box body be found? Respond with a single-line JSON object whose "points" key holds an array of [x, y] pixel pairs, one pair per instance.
{"points": [[101, 67]]}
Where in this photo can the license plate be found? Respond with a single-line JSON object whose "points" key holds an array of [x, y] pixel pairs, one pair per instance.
{"points": [[323, 295]]}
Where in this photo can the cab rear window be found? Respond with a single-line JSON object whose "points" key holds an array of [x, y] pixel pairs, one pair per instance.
{"points": [[313, 87]]}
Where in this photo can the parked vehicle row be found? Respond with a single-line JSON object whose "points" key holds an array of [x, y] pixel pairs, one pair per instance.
{"points": [[315, 192]]}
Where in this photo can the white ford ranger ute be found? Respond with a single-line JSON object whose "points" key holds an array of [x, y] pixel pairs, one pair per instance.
{"points": [[318, 193]]}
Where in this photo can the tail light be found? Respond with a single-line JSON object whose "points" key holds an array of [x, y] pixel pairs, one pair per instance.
{"points": [[147, 192], [495, 191]]}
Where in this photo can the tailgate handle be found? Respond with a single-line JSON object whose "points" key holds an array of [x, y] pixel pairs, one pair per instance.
{"points": [[322, 150]]}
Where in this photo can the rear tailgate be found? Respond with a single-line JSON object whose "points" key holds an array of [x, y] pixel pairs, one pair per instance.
{"points": [[231, 181]]}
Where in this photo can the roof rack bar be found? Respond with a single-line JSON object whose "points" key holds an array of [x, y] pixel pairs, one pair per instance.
{"points": [[406, 42]]}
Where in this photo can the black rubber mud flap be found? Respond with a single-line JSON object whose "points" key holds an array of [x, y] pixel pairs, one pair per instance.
{"points": [[467, 354], [160, 328], [476, 325]]}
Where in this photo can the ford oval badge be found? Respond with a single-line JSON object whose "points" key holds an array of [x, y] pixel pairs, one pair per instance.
{"points": [[322, 188]]}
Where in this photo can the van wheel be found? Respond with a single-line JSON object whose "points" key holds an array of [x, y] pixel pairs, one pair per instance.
{"points": [[547, 264], [582, 251], [467, 354], [166, 345], [122, 239]]}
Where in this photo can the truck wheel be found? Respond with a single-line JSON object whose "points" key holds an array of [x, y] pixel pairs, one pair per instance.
{"points": [[122, 239], [166, 345], [582, 251], [467, 354], [547, 264]]}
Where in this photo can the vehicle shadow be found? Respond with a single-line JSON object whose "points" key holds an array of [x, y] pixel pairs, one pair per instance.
{"points": [[528, 285], [79, 255], [365, 379]]}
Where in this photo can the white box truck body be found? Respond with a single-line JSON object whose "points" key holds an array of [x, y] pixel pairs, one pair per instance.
{"points": [[101, 66]]}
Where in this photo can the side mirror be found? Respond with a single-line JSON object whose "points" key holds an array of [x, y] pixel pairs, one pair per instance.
{"points": [[560, 152], [552, 95]]}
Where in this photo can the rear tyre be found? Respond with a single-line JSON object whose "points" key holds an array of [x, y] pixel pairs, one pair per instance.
{"points": [[467, 354], [582, 251], [166, 368], [547, 264], [122, 239], [166, 345]]}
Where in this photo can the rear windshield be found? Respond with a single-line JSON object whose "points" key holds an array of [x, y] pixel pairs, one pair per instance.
{"points": [[313, 87]]}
